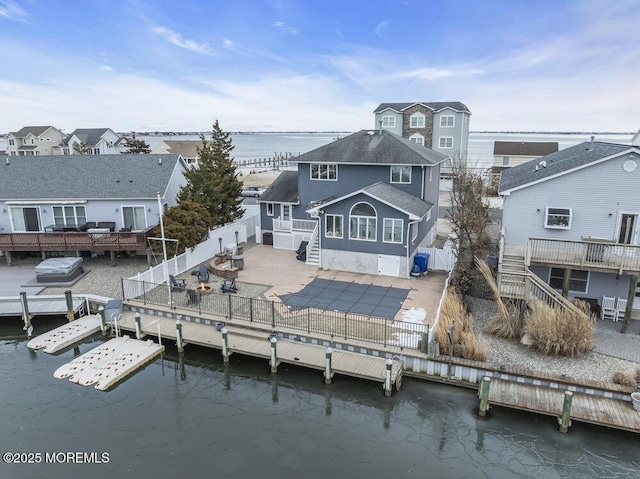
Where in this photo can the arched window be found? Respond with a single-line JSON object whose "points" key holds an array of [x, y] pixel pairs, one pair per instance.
{"points": [[362, 222], [416, 120]]}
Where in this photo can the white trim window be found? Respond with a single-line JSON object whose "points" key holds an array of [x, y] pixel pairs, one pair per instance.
{"points": [[401, 174], [392, 231], [95, 151], [323, 171], [362, 222], [134, 217], [505, 161], [269, 209], [25, 218], [447, 121], [579, 282], [417, 138], [558, 218], [427, 217], [69, 215], [417, 120], [285, 211], [333, 226], [12, 142], [388, 122], [413, 231], [445, 142]]}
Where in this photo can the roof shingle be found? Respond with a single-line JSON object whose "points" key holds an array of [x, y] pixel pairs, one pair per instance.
{"points": [[435, 105]]}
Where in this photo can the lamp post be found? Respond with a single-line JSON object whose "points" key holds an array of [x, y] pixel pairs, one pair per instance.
{"points": [[220, 243], [237, 239]]}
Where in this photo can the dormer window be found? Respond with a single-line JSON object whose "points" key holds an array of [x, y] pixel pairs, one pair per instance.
{"points": [[417, 120]]}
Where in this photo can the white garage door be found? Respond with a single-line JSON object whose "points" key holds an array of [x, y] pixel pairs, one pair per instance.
{"points": [[388, 265]]}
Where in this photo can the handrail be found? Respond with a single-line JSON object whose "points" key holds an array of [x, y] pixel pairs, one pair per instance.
{"points": [[312, 240], [62, 241], [501, 245]]}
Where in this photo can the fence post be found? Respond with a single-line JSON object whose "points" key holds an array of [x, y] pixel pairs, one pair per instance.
{"points": [[229, 307], [124, 296], [386, 325], [250, 309], [308, 320], [273, 314], [144, 293], [345, 326]]}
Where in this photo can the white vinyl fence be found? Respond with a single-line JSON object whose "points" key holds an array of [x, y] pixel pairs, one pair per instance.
{"points": [[439, 259]]}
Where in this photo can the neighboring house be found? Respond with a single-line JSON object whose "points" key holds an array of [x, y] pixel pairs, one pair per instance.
{"points": [[507, 154], [365, 203], [188, 149], [49, 193], [574, 213], [98, 141], [441, 126], [34, 141]]}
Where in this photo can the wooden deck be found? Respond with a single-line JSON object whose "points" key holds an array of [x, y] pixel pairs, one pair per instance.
{"points": [[74, 241], [585, 408], [49, 305]]}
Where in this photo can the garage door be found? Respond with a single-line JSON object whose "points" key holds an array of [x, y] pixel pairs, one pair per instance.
{"points": [[388, 265]]}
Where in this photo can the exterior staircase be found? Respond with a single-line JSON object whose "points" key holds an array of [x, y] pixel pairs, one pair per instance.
{"points": [[313, 249], [511, 275]]}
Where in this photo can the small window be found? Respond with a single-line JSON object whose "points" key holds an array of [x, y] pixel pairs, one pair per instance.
{"points": [[558, 218], [95, 151], [413, 231], [446, 142], [269, 209], [12, 142], [320, 171], [419, 139], [69, 215], [388, 122], [392, 230], [333, 226], [427, 216], [447, 121], [400, 174], [416, 120], [578, 284], [505, 161]]}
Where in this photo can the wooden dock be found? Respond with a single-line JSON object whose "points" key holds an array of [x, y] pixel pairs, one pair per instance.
{"points": [[586, 408], [64, 336], [45, 305], [256, 343]]}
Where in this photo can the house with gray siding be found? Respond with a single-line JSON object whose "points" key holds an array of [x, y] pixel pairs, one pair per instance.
{"points": [[440, 126], [364, 203], [34, 141], [67, 192], [572, 218], [98, 141]]}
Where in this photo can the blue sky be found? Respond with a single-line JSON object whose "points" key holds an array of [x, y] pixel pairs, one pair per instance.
{"points": [[317, 65]]}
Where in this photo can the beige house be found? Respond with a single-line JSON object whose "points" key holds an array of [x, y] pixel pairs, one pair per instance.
{"points": [[511, 153], [188, 149], [34, 141]]}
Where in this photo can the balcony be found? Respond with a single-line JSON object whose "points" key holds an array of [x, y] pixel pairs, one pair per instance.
{"points": [[294, 225], [592, 254]]}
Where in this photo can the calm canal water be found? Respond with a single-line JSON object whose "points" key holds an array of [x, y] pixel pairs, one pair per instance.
{"points": [[204, 420]]}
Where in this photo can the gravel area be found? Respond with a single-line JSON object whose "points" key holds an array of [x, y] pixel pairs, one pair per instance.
{"points": [[590, 367]]}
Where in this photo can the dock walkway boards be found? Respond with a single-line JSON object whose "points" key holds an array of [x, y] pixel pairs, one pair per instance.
{"points": [[50, 305], [586, 408], [64, 336]]}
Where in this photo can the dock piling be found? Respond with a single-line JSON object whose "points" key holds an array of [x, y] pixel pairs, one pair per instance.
{"points": [[179, 341], [103, 324], [225, 344], [564, 421], [484, 396], [69, 299], [274, 357], [328, 374], [387, 378], [138, 320], [25, 313]]}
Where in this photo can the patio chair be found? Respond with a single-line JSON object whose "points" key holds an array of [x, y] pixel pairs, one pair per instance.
{"points": [[177, 285], [608, 310], [203, 274], [621, 308], [229, 286], [193, 297]]}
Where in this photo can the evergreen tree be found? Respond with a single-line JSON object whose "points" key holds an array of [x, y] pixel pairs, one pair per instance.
{"points": [[81, 148], [214, 183], [188, 222], [133, 146]]}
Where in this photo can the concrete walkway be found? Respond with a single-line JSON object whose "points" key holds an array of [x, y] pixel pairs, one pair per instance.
{"points": [[609, 341], [12, 281]]}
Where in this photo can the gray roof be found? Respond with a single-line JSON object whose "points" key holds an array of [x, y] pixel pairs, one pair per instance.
{"points": [[88, 136], [525, 148], [283, 190], [435, 105], [398, 199], [85, 176], [558, 163], [34, 130], [373, 148]]}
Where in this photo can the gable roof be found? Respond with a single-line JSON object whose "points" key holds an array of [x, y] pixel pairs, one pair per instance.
{"points": [[34, 130], [185, 148], [559, 163], [434, 105], [525, 148], [373, 148], [283, 190], [88, 136], [411, 205], [86, 176]]}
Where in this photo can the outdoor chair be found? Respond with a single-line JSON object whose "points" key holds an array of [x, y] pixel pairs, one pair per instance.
{"points": [[193, 297], [203, 274], [608, 310], [229, 286], [621, 308], [177, 285]]}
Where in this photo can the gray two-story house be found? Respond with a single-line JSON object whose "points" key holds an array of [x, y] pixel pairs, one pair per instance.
{"points": [[364, 203], [572, 219]]}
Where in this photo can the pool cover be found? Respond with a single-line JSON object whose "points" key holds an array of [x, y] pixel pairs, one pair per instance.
{"points": [[368, 299]]}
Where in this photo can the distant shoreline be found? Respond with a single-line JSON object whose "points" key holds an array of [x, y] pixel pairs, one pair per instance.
{"points": [[185, 133]]}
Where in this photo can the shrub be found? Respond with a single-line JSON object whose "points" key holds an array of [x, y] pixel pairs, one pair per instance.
{"points": [[465, 343], [625, 378], [638, 376], [558, 331]]}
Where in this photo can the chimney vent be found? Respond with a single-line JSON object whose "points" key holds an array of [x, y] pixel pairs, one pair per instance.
{"points": [[7, 161], [159, 160]]}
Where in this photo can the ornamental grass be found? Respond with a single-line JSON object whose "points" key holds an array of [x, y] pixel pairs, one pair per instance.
{"points": [[465, 343]]}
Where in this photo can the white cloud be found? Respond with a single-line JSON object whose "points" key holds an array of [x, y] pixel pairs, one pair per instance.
{"points": [[106, 68], [381, 28], [438, 73], [284, 28], [176, 39], [11, 10]]}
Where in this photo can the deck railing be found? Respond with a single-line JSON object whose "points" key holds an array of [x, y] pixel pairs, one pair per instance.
{"points": [[591, 254], [294, 224], [230, 307], [70, 241], [312, 240]]}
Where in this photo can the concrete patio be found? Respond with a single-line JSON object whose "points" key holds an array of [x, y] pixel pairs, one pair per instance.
{"points": [[280, 270]]}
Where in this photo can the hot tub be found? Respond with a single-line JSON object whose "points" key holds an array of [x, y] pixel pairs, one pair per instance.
{"points": [[58, 270]]}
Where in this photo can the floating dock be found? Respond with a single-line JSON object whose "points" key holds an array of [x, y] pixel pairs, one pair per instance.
{"points": [[66, 335], [109, 363]]}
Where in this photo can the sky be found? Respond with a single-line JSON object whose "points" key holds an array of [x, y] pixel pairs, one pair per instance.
{"points": [[317, 65]]}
